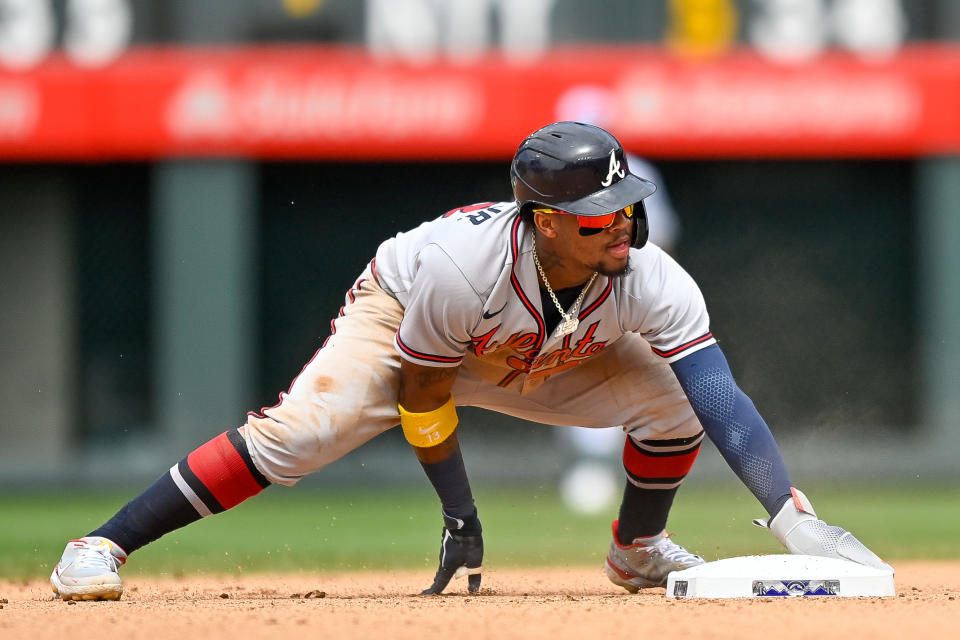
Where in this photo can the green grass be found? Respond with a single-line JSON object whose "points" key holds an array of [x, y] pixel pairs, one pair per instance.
{"points": [[305, 529]]}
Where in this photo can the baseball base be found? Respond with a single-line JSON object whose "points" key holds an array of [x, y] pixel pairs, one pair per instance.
{"points": [[780, 575]]}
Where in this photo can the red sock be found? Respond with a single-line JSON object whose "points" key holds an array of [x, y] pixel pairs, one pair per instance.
{"points": [[220, 473], [655, 469]]}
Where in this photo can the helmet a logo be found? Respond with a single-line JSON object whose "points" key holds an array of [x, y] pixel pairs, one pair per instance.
{"points": [[614, 170]]}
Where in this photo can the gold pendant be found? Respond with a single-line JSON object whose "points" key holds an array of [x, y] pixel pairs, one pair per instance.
{"points": [[569, 325]]}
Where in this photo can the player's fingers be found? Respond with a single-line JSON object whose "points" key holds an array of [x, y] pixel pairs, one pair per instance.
{"points": [[440, 581], [473, 582]]}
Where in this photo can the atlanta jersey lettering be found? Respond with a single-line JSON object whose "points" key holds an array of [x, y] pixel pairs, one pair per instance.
{"points": [[471, 297]]}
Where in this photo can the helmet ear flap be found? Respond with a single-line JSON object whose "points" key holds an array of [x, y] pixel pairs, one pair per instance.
{"points": [[641, 229]]}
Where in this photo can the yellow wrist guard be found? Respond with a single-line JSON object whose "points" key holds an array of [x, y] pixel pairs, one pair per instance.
{"points": [[430, 428]]}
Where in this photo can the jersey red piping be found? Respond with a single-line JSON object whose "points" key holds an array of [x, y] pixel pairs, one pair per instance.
{"points": [[426, 356], [683, 347], [531, 308], [596, 303]]}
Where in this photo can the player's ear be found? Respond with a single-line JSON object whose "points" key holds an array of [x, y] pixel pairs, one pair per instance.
{"points": [[545, 223]]}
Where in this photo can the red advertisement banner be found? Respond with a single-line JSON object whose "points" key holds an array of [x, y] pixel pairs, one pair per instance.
{"points": [[339, 103]]}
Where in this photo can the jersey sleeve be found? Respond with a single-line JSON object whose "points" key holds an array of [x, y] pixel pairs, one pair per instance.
{"points": [[668, 309], [441, 311]]}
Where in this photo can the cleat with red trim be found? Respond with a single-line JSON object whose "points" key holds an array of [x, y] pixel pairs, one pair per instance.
{"points": [[646, 562], [88, 570]]}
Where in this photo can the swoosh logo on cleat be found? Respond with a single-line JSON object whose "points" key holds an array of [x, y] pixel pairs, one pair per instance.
{"points": [[487, 315]]}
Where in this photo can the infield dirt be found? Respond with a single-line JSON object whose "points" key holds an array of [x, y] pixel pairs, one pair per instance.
{"points": [[514, 603]]}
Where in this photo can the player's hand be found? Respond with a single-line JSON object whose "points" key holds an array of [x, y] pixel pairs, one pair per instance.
{"points": [[460, 555], [799, 529]]}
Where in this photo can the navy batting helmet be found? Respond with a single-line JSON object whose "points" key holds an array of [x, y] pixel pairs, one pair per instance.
{"points": [[581, 169]]}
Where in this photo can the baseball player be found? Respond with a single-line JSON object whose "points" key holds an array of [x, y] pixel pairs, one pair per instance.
{"points": [[552, 308]]}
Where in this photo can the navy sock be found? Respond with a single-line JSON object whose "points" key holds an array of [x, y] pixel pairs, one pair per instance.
{"points": [[160, 509], [643, 512], [213, 478]]}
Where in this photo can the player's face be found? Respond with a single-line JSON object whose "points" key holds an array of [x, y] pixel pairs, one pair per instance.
{"points": [[606, 252]]}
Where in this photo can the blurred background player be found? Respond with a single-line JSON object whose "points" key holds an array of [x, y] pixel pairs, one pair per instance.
{"points": [[593, 481]]}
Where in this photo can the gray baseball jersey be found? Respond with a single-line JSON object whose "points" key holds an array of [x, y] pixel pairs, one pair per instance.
{"points": [[470, 289], [463, 290]]}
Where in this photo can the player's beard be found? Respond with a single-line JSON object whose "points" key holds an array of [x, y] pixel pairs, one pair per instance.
{"points": [[614, 273]]}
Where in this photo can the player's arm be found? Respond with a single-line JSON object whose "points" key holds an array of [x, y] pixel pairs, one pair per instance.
{"points": [[734, 425], [429, 421]]}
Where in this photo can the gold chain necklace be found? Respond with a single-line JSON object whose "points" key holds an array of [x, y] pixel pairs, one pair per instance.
{"points": [[570, 320]]}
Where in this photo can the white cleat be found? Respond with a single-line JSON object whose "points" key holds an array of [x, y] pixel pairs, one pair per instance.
{"points": [[88, 570], [646, 562]]}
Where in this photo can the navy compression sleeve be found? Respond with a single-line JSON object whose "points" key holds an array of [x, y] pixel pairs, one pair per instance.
{"points": [[733, 424]]}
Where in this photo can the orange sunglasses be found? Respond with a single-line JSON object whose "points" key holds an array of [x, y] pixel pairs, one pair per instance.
{"points": [[590, 225]]}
